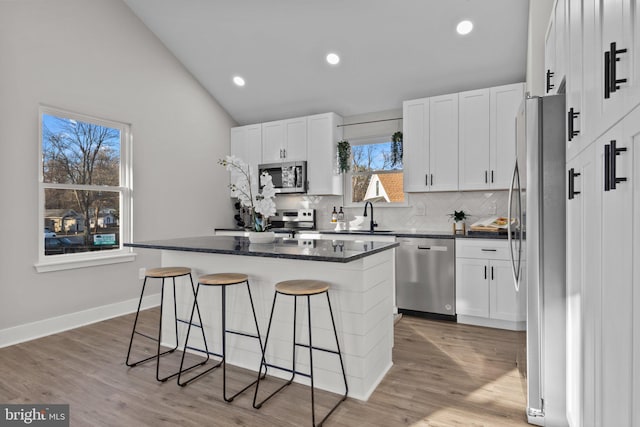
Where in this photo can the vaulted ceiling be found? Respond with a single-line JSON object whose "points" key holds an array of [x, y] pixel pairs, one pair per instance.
{"points": [[391, 50]]}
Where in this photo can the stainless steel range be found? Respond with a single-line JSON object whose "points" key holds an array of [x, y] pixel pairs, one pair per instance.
{"points": [[293, 220]]}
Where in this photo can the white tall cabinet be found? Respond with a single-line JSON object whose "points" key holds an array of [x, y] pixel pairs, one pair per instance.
{"points": [[603, 220]]}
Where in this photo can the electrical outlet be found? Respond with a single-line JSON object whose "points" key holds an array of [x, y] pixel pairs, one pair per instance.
{"points": [[142, 272]]}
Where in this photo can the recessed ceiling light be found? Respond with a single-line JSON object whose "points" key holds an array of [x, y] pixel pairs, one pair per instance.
{"points": [[333, 58], [464, 27], [239, 81]]}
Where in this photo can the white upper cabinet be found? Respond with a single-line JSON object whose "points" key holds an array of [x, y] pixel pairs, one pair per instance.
{"points": [[246, 143], [487, 136], [284, 140], [505, 101], [322, 139], [415, 141], [474, 139], [555, 48], [430, 139], [576, 128], [443, 143]]}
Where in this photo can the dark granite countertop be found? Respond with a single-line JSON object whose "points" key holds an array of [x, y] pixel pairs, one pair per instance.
{"points": [[309, 250], [422, 234]]}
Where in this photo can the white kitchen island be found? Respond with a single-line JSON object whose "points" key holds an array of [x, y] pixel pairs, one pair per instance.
{"points": [[361, 274]]}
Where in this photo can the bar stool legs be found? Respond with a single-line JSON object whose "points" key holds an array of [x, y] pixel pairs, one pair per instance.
{"points": [[162, 274], [223, 280], [298, 288]]}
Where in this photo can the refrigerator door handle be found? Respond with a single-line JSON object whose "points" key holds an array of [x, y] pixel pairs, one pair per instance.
{"points": [[515, 268]]}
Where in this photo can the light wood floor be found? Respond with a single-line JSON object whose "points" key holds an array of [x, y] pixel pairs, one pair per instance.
{"points": [[444, 374]]}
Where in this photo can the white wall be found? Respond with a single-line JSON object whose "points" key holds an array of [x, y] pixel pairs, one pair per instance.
{"points": [[95, 57], [539, 14]]}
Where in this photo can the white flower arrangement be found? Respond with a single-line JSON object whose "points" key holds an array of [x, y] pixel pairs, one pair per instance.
{"points": [[262, 205]]}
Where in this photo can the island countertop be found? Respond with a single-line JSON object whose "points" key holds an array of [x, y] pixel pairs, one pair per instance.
{"points": [[310, 250]]}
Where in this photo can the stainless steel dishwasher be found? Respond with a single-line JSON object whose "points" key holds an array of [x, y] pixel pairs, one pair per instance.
{"points": [[425, 276]]}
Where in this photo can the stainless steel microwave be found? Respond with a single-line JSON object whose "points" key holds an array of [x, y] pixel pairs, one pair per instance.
{"points": [[288, 177]]}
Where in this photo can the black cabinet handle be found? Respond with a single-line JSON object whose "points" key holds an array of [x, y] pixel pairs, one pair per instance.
{"points": [[607, 71], [485, 272], [488, 250], [612, 74], [607, 166], [492, 177], [571, 116], [571, 181], [426, 179], [431, 179], [549, 85], [613, 152], [486, 179], [491, 272]]}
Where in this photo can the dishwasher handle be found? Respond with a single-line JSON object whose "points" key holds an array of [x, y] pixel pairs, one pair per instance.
{"points": [[433, 248]]}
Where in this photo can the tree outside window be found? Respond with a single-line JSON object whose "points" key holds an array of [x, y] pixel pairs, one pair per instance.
{"points": [[81, 182], [374, 176]]}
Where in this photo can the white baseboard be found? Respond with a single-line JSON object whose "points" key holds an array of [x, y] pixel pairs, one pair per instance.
{"points": [[54, 325]]}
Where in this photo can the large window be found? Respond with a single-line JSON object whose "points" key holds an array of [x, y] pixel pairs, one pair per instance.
{"points": [[85, 191], [374, 175]]}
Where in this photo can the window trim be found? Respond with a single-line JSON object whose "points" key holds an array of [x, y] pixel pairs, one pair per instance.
{"points": [[348, 192], [47, 263]]}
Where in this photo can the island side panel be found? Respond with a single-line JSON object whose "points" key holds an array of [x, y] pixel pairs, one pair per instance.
{"points": [[362, 300]]}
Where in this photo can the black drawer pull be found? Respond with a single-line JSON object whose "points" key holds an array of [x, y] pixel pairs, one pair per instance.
{"points": [[488, 250], [613, 61]]}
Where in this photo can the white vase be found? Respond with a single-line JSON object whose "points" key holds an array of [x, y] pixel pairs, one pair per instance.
{"points": [[262, 236]]}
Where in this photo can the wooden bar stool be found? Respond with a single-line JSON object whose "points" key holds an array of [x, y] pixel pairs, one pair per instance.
{"points": [[163, 273], [222, 280], [301, 288]]}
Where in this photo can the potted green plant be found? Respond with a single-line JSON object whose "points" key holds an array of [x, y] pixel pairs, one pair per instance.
{"points": [[344, 154], [458, 218], [396, 149]]}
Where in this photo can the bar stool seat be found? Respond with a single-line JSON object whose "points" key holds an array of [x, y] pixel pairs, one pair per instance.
{"points": [[162, 273], [222, 280], [301, 288]]}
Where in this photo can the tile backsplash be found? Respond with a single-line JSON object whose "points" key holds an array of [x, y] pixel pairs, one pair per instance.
{"points": [[424, 211]]}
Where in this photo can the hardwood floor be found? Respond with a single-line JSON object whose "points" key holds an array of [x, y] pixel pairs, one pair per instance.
{"points": [[444, 374]]}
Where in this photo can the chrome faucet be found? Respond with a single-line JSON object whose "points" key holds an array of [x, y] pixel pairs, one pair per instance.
{"points": [[372, 223]]}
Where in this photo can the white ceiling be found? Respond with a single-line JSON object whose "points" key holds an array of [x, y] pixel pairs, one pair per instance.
{"points": [[391, 50]]}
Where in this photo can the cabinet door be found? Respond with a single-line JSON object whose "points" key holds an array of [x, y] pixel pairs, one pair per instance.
{"points": [[415, 129], [575, 113], [550, 57], [473, 126], [295, 131], [443, 143], [632, 133], [617, 286], [610, 25], [273, 141], [246, 143], [322, 138], [505, 101], [505, 303], [559, 12], [472, 287]]}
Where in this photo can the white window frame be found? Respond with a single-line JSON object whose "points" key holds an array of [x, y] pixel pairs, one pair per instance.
{"points": [[349, 175], [92, 258]]}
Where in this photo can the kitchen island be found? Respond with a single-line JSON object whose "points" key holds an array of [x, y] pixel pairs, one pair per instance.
{"points": [[361, 274]]}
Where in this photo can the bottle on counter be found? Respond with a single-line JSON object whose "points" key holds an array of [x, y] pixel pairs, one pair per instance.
{"points": [[341, 215], [334, 215]]}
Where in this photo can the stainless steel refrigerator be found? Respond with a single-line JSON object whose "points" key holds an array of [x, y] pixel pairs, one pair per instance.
{"points": [[537, 200]]}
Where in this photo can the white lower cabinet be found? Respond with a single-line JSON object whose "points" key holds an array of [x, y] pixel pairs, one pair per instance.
{"points": [[485, 293]]}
